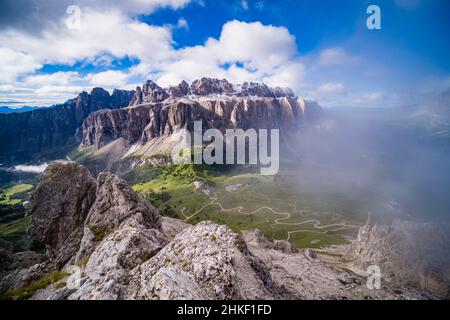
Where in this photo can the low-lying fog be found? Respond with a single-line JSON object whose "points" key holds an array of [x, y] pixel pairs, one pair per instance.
{"points": [[382, 157]]}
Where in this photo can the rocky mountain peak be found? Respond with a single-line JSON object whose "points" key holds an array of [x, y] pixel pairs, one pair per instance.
{"points": [[97, 91], [152, 93], [121, 97], [256, 89], [283, 92], [208, 86], [180, 90], [149, 93]]}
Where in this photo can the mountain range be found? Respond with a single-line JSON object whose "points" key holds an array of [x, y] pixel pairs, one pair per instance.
{"points": [[39, 134], [137, 118], [5, 109]]}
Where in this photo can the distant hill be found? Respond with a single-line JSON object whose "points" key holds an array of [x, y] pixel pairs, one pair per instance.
{"points": [[4, 109]]}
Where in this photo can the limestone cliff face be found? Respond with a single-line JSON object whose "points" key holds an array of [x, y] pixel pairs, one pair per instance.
{"points": [[143, 123], [39, 133], [105, 126], [156, 118]]}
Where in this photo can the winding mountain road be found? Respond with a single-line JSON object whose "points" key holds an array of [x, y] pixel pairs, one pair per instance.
{"points": [[287, 215]]}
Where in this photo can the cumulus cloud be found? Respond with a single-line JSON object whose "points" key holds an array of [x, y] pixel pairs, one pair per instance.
{"points": [[34, 16], [117, 35], [31, 168], [110, 78], [56, 78], [182, 23], [15, 63], [243, 52], [58, 90]]}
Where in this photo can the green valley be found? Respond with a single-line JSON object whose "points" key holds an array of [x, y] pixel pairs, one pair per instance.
{"points": [[12, 215], [15, 194], [280, 206]]}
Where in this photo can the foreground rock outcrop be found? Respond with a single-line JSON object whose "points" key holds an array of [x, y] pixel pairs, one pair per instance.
{"points": [[116, 206], [106, 242], [60, 205], [207, 261]]}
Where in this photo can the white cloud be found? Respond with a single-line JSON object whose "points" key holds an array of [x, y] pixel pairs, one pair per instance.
{"points": [[182, 23], [290, 75], [7, 88], [14, 63], [244, 4], [243, 52], [116, 35], [255, 43], [31, 168], [58, 90], [110, 78], [57, 78]]}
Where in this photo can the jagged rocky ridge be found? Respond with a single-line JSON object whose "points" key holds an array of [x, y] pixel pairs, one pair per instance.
{"points": [[152, 93], [115, 245], [41, 133], [156, 115]]}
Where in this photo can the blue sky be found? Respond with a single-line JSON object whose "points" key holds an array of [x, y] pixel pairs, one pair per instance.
{"points": [[320, 48]]}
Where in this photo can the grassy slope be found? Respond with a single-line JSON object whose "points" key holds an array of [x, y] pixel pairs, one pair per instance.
{"points": [[15, 232], [15, 194]]}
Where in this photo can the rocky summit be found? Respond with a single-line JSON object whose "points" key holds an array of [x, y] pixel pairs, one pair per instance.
{"points": [[151, 92], [104, 241]]}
